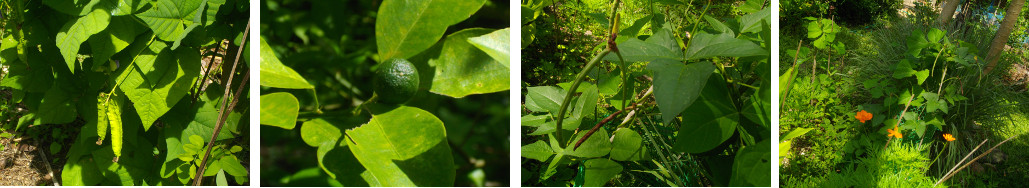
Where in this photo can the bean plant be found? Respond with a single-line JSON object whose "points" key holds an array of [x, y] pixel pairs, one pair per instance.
{"points": [[151, 87], [712, 87]]}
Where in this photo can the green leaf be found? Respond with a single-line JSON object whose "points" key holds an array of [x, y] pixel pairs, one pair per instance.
{"points": [[404, 147], [36, 79], [676, 86], [534, 121], [752, 166], [342, 166], [275, 74], [547, 98], [795, 133], [595, 146], [76, 31], [586, 104], [600, 171], [538, 150], [125, 7], [57, 107], [634, 29], [759, 107], [711, 120], [495, 44], [280, 110], [406, 28], [153, 96], [922, 75], [903, 69], [319, 132], [72, 7], [661, 46], [627, 145], [231, 165], [751, 6], [933, 102], [462, 70], [170, 18], [113, 40], [706, 45], [82, 172]]}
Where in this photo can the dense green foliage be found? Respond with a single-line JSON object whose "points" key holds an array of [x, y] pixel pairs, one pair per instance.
{"points": [[693, 111], [935, 67], [385, 93], [143, 74]]}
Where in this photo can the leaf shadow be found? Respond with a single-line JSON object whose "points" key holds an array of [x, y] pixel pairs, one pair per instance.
{"points": [[423, 166]]}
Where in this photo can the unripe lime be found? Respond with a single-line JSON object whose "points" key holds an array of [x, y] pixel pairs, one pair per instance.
{"points": [[396, 81]]}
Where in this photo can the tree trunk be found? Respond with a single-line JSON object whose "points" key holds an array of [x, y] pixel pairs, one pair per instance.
{"points": [[949, 6], [1003, 33]]}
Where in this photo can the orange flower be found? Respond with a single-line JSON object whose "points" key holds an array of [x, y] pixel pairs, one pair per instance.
{"points": [[863, 116], [948, 137], [895, 132]]}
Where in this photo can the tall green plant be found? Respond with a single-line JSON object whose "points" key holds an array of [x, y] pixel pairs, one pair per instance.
{"points": [[133, 69], [733, 104]]}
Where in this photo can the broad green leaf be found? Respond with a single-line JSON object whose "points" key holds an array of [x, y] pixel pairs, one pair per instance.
{"points": [[751, 6], [220, 179], [275, 74], [405, 146], [706, 45], [627, 145], [795, 133], [916, 42], [903, 69], [534, 121], [495, 44], [76, 31], [600, 171], [170, 18], [548, 98], [125, 7], [922, 75], [570, 123], [36, 79], [462, 70], [318, 132], [231, 165], [759, 107], [538, 150], [718, 26], [113, 40], [82, 172], [552, 166], [280, 110], [676, 86], [752, 166], [342, 165], [751, 23], [708, 122], [634, 29], [933, 102], [9, 49], [405, 28], [198, 119], [178, 70], [661, 46], [57, 107], [586, 104], [595, 146], [72, 7]]}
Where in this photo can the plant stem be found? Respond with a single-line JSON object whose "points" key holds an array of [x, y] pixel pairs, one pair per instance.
{"points": [[225, 108], [571, 91], [952, 171], [129, 68]]}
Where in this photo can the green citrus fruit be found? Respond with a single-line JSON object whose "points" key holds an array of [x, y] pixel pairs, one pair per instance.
{"points": [[396, 81]]}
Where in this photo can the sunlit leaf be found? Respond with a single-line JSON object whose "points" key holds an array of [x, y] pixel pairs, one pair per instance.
{"points": [[405, 146], [463, 70], [275, 74], [405, 28], [279, 109]]}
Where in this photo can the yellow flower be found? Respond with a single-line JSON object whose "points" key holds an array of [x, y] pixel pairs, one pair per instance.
{"points": [[863, 116], [948, 137], [895, 132]]}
